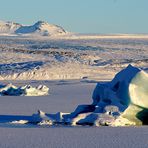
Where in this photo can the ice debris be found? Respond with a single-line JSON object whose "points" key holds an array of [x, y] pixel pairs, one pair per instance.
{"points": [[27, 90]]}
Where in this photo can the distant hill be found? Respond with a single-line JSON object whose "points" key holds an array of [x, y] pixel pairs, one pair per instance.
{"points": [[39, 28]]}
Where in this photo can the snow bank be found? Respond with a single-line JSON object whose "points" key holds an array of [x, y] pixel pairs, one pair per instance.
{"points": [[121, 102], [28, 90]]}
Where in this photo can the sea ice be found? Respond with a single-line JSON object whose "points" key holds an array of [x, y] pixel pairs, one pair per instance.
{"points": [[121, 102]]}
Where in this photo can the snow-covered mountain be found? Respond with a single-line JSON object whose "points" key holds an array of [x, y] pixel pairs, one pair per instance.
{"points": [[9, 27], [39, 28]]}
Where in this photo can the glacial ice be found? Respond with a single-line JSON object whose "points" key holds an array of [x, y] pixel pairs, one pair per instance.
{"points": [[138, 90], [128, 91]]}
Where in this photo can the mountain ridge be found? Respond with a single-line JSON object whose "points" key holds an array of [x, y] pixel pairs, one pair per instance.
{"points": [[41, 28]]}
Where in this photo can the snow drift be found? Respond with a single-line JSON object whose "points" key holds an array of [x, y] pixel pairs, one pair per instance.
{"points": [[40, 28], [28, 90], [121, 102]]}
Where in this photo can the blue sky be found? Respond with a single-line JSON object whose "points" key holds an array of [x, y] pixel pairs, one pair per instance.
{"points": [[84, 16]]}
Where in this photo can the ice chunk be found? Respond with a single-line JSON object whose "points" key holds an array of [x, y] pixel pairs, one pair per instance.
{"points": [[28, 90], [38, 91], [124, 100], [128, 91]]}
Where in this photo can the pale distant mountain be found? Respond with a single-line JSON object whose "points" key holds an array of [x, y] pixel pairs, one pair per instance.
{"points": [[39, 28], [9, 27]]}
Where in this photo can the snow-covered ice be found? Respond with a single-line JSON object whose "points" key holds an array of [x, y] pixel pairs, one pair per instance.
{"points": [[115, 103], [65, 96], [35, 58]]}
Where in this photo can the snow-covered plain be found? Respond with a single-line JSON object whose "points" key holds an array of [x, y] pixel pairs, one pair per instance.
{"points": [[90, 59], [40, 58]]}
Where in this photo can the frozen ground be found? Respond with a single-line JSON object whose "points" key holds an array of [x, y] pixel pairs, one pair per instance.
{"points": [[65, 96], [72, 57]]}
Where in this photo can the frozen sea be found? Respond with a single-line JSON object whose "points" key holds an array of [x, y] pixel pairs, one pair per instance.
{"points": [[64, 96], [71, 68]]}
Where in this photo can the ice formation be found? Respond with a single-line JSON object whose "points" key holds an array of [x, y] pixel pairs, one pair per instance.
{"points": [[128, 91], [121, 102], [28, 90]]}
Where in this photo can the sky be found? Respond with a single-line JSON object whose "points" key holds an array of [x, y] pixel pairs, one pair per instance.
{"points": [[83, 16]]}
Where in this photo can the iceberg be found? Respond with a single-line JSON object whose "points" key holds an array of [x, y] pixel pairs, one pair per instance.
{"points": [[129, 92]]}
